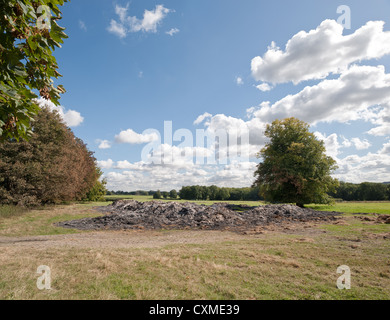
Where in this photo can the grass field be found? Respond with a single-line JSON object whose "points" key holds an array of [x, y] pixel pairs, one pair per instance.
{"points": [[298, 264]]}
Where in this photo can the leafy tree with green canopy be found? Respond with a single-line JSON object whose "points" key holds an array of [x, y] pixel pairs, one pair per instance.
{"points": [[157, 195], [295, 168], [29, 34], [165, 194], [98, 191], [173, 194]]}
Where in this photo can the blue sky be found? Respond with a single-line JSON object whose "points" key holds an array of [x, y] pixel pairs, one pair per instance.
{"points": [[124, 73]]}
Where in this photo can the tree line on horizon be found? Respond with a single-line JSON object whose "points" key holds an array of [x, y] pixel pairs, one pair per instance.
{"points": [[365, 191]]}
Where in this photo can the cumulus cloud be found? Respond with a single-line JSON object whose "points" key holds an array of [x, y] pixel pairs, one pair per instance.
{"points": [[385, 149], [361, 144], [320, 52], [131, 137], [104, 144], [71, 118], [331, 143], [202, 117], [253, 128], [373, 167], [360, 93], [146, 176], [264, 87], [105, 164], [127, 24]]}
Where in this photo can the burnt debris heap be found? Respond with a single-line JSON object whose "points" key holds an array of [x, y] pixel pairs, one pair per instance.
{"points": [[130, 214]]}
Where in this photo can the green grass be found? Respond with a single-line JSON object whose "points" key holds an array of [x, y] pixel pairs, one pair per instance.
{"points": [[41, 221], [355, 207]]}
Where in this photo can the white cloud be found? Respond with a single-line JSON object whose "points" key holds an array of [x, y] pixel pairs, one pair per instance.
{"points": [[361, 145], [264, 87], [142, 176], [239, 81], [149, 23], [172, 31], [320, 52], [202, 117], [373, 167], [71, 118], [346, 143], [131, 137], [355, 95], [104, 144], [105, 164], [254, 128], [117, 29], [385, 149], [331, 144]]}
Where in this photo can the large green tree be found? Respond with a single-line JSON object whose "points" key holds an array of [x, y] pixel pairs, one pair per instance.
{"points": [[29, 34], [295, 167], [52, 166]]}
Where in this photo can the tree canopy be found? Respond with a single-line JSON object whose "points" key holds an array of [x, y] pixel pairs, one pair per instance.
{"points": [[29, 34], [52, 166], [295, 168]]}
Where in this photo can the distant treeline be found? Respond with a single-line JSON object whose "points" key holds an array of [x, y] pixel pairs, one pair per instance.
{"points": [[216, 193], [199, 193], [366, 191], [132, 193]]}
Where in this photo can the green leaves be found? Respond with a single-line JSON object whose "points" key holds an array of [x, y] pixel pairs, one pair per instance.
{"points": [[295, 168], [27, 62]]}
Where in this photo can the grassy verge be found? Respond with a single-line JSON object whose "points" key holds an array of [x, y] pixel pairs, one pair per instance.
{"points": [[7, 211], [40, 221]]}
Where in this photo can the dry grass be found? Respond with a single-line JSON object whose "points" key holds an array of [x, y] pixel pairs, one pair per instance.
{"points": [[271, 266], [274, 265], [40, 221]]}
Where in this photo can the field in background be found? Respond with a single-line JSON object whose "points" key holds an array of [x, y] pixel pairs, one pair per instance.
{"points": [[150, 198], [272, 265], [347, 207]]}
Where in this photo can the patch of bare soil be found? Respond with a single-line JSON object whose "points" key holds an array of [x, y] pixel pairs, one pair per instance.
{"points": [[376, 219]]}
